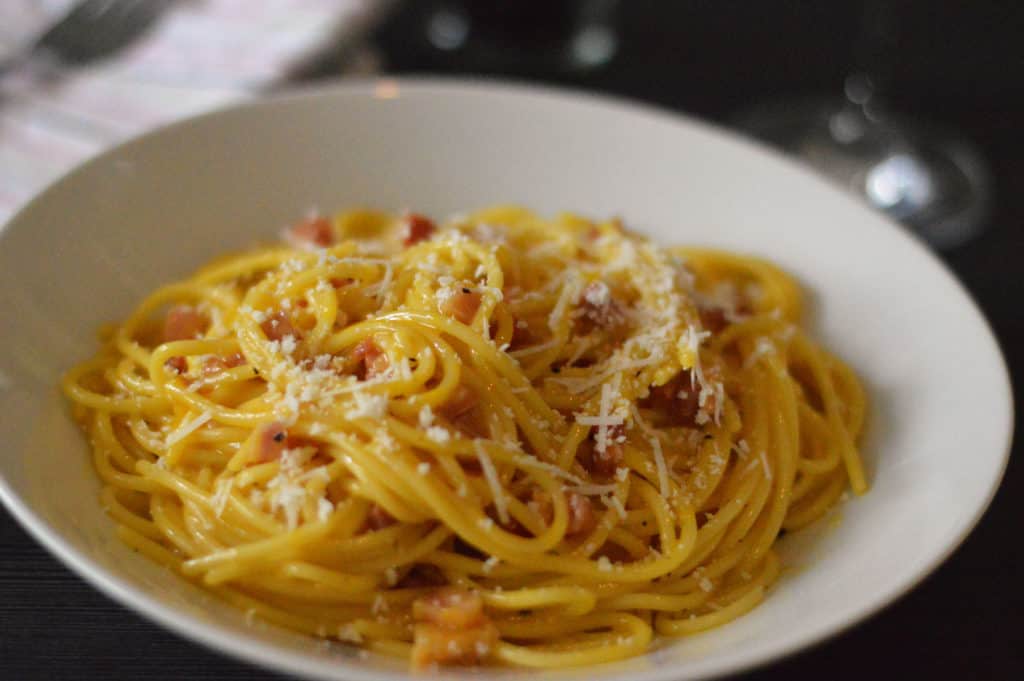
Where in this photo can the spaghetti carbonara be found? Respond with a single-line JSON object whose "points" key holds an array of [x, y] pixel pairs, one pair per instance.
{"points": [[500, 440]]}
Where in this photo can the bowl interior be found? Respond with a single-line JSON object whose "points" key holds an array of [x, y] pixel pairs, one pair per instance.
{"points": [[95, 243]]}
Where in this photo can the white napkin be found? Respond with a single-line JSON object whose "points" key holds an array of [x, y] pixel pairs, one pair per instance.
{"points": [[199, 55]]}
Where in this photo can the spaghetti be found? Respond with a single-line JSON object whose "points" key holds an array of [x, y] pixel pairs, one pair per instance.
{"points": [[503, 440]]}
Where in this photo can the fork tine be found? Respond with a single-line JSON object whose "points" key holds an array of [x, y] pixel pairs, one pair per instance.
{"points": [[95, 28], [68, 27]]}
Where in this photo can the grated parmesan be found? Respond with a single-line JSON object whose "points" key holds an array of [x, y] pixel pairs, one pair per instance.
{"points": [[613, 501], [221, 495], [534, 349], [618, 366], [570, 292], [368, 406], [187, 428], [762, 348], [324, 509], [531, 462], [592, 489], [659, 462], [426, 416], [610, 420], [491, 474], [597, 294], [289, 498], [288, 344], [605, 420], [438, 434]]}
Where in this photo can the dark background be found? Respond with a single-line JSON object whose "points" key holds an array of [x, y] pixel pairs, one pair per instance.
{"points": [[957, 63]]}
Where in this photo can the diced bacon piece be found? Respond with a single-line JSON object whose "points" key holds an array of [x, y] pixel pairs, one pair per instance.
{"points": [[273, 439], [183, 322], [686, 406], [451, 628], [422, 575], [377, 518], [340, 282], [679, 400], [277, 326], [521, 336], [582, 519], [606, 463], [661, 395], [177, 364], [416, 228], [318, 459], [451, 608], [216, 364], [582, 516], [462, 306], [371, 361], [603, 463], [315, 232], [713, 319], [598, 309], [434, 645]]}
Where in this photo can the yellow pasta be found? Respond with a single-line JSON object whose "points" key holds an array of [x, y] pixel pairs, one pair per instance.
{"points": [[505, 439]]}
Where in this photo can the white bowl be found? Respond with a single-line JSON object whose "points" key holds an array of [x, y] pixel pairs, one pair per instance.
{"points": [[155, 208]]}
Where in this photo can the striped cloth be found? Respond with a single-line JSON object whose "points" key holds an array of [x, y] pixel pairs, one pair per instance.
{"points": [[199, 55]]}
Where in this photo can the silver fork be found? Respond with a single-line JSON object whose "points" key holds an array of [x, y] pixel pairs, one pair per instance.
{"points": [[92, 29]]}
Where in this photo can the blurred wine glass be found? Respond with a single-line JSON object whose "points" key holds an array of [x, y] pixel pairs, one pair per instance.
{"points": [[927, 177], [543, 35]]}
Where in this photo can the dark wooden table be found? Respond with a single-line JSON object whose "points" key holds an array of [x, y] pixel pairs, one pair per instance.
{"points": [[709, 59]]}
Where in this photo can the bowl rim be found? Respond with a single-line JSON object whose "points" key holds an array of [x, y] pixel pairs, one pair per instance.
{"points": [[250, 651]]}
